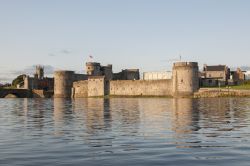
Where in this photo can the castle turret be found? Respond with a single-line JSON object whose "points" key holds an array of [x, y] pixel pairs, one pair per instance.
{"points": [[63, 83], [93, 68], [185, 78], [39, 72]]}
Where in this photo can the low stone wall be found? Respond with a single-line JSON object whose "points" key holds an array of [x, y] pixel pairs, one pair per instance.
{"points": [[216, 92], [80, 89], [141, 88], [96, 86]]}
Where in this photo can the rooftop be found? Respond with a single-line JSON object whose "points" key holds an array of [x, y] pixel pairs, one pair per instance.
{"points": [[215, 68]]}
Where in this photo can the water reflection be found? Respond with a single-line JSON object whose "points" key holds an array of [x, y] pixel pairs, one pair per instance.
{"points": [[185, 116], [96, 120], [145, 117], [126, 115], [131, 117], [97, 129], [220, 116], [32, 112], [61, 115]]}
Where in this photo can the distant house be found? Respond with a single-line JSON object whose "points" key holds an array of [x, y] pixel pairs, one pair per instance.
{"points": [[236, 77], [157, 75], [215, 75], [247, 75]]}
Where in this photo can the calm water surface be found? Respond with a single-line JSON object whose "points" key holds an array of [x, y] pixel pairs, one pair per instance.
{"points": [[147, 131]]}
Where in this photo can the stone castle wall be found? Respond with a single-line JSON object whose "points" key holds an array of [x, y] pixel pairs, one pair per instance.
{"points": [[80, 89], [96, 86], [183, 83], [141, 88]]}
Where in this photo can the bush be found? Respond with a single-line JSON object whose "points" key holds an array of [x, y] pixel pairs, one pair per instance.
{"points": [[246, 82], [17, 80]]}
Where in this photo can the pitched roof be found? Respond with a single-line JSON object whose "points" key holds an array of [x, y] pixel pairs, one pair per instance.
{"points": [[215, 68]]}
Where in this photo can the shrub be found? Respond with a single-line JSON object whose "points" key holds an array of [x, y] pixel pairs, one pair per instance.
{"points": [[17, 80]]}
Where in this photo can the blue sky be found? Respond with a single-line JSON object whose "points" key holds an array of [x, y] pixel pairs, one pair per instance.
{"points": [[144, 34]]}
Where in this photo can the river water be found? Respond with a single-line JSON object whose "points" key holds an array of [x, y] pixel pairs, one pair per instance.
{"points": [[125, 131]]}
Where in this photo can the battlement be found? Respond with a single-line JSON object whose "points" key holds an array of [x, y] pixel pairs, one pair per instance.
{"points": [[96, 77], [63, 72], [92, 64], [185, 64]]}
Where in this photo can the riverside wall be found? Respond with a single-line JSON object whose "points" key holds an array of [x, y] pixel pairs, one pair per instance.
{"points": [[80, 89], [64, 82], [216, 92], [95, 87], [141, 88]]}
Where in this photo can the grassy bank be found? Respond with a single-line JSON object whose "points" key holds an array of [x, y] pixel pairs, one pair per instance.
{"points": [[243, 86], [137, 96], [9, 87]]}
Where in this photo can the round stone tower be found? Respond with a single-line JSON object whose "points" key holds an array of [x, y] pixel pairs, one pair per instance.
{"points": [[63, 83], [185, 78], [93, 68]]}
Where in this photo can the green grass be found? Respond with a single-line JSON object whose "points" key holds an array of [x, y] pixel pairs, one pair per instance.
{"points": [[137, 96], [10, 87], [241, 87]]}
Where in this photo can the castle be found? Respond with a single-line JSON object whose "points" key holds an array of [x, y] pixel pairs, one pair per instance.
{"points": [[101, 81]]}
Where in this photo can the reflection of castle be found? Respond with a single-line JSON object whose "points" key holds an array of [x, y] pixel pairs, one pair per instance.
{"points": [[185, 116], [101, 81]]}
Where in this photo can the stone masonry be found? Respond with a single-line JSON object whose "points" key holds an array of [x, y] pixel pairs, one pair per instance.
{"points": [[184, 82]]}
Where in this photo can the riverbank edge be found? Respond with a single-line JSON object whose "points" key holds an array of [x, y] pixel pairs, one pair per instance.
{"points": [[217, 92], [202, 93]]}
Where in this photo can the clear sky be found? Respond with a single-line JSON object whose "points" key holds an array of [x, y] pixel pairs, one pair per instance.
{"points": [[144, 34]]}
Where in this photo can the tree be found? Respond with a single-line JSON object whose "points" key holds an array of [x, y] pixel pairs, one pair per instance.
{"points": [[18, 80]]}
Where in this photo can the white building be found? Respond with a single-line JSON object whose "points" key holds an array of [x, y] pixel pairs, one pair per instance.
{"points": [[247, 75], [157, 75]]}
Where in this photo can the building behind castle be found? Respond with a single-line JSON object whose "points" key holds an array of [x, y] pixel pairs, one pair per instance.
{"points": [[221, 75], [38, 82]]}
